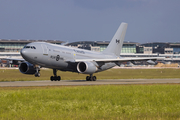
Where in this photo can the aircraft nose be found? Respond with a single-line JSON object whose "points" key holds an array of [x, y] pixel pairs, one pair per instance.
{"points": [[24, 53]]}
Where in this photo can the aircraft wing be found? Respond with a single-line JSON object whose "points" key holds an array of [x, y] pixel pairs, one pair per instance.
{"points": [[14, 61], [119, 59]]}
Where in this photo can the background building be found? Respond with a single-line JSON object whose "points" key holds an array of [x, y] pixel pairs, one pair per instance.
{"points": [[162, 48], [17, 45], [171, 51], [128, 47], [176, 47]]}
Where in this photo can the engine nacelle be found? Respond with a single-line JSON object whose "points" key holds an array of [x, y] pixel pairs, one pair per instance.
{"points": [[86, 68], [27, 68]]}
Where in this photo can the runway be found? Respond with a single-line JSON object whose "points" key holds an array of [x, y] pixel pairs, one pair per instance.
{"points": [[84, 83]]}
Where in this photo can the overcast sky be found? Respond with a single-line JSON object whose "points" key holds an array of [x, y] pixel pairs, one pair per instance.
{"points": [[90, 20]]}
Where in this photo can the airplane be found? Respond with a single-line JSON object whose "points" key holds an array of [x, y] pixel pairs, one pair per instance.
{"points": [[64, 58]]}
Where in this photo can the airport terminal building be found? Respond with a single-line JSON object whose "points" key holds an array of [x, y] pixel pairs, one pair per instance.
{"points": [[128, 47], [17, 45], [98, 46]]}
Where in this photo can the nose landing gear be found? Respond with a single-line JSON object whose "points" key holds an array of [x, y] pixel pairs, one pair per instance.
{"points": [[37, 74]]}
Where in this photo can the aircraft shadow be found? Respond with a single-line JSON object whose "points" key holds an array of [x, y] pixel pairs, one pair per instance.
{"points": [[76, 81], [102, 81]]}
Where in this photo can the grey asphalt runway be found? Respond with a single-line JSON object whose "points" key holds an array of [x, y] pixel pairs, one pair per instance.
{"points": [[83, 82]]}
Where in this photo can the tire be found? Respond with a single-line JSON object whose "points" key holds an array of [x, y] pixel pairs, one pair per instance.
{"points": [[87, 78], [52, 78], [94, 78], [35, 74], [58, 78], [38, 75]]}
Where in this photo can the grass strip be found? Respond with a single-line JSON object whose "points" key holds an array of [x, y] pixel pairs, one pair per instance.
{"points": [[91, 102], [15, 75]]}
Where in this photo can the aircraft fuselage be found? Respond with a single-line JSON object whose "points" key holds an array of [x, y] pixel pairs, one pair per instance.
{"points": [[61, 57]]}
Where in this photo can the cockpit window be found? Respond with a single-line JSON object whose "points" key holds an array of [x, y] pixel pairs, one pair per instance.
{"points": [[27, 47], [30, 47]]}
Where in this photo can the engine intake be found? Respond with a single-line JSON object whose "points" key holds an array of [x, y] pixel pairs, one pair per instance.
{"points": [[27, 68], [86, 68]]}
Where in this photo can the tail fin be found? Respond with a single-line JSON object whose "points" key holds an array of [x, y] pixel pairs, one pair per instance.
{"points": [[117, 41]]}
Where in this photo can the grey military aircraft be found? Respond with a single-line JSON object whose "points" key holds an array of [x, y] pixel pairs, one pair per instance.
{"points": [[63, 58]]}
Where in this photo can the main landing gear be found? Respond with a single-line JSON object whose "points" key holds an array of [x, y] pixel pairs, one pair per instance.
{"points": [[55, 77], [37, 74], [91, 78]]}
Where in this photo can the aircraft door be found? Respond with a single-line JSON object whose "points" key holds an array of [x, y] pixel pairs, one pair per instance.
{"points": [[45, 49]]}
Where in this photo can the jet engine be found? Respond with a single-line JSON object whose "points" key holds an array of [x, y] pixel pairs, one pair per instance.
{"points": [[27, 68], [86, 67]]}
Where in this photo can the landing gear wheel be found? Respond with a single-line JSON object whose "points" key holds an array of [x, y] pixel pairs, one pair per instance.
{"points": [[55, 78], [88, 78], [91, 78], [58, 78], [94, 78], [37, 74], [52, 78]]}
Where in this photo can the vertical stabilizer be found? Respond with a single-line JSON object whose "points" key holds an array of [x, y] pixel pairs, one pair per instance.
{"points": [[116, 43]]}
